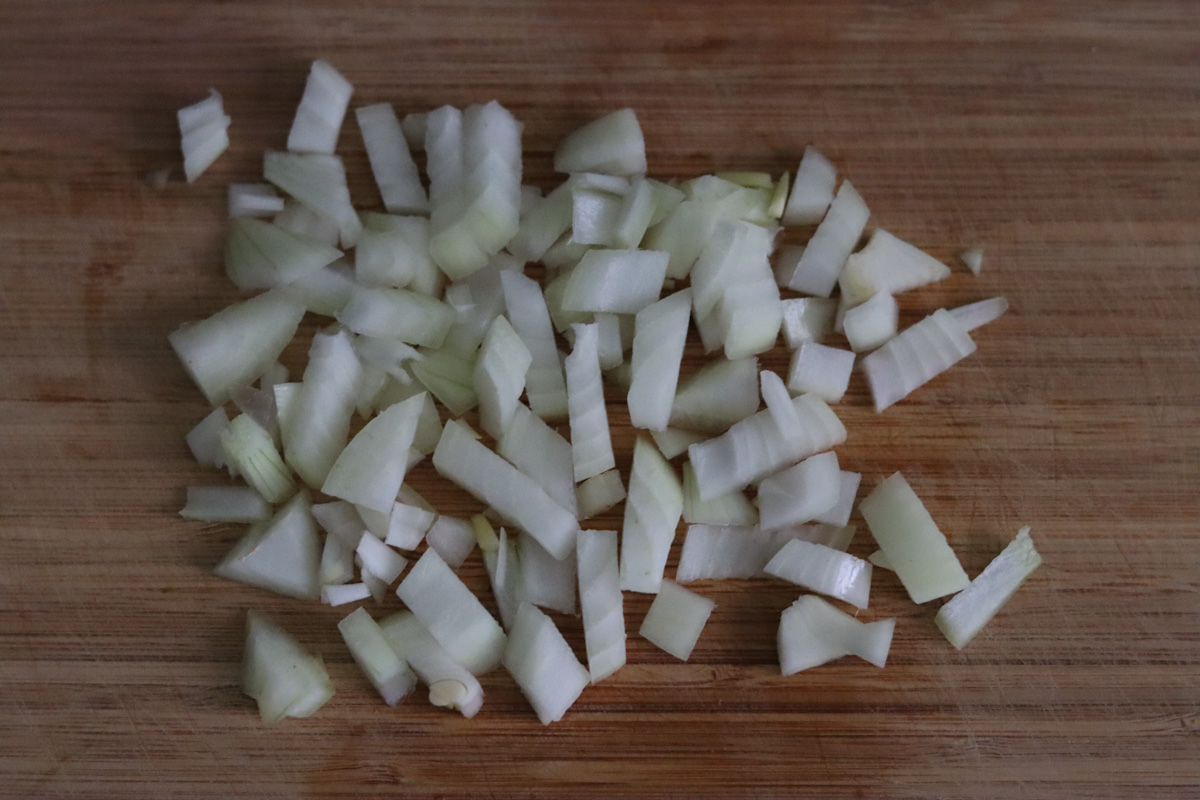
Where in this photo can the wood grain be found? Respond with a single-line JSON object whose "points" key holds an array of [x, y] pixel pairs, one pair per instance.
{"points": [[1062, 137]]}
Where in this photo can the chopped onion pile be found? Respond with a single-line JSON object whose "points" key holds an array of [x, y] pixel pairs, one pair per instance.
{"points": [[434, 318]]}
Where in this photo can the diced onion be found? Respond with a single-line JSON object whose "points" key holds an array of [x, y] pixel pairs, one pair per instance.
{"points": [[818, 267], [824, 570], [321, 111], [968, 611], [225, 504], [281, 676], [675, 619], [281, 555], [388, 673], [652, 512], [869, 325], [541, 662], [812, 191], [601, 602]]}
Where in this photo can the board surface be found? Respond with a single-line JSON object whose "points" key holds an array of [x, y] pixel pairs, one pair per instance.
{"points": [[1063, 138]]}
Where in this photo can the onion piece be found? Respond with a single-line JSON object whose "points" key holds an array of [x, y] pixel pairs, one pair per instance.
{"points": [[337, 568], [718, 552], [389, 674], [204, 440], [599, 493], [543, 224], [225, 504], [633, 218], [319, 182], [661, 332], [237, 344], [818, 267], [611, 145], [824, 371], [869, 325], [545, 580], [393, 252], [398, 314], [391, 162], [976, 315], [450, 685], [719, 264], [813, 190], [515, 496], [369, 470], [591, 447], [916, 356], [503, 563], [911, 540], [888, 264], [779, 196], [537, 450], [799, 493], [836, 536], [303, 221], [594, 215], [203, 130], [280, 555], [973, 258], [807, 319], [674, 441], [676, 619], [344, 593], [382, 561], [824, 570], [249, 452], [541, 662], [499, 378], [839, 514], [545, 384], [682, 234], [281, 676], [324, 291], [341, 521], [812, 632], [618, 281], [967, 612], [727, 509], [601, 602], [720, 394], [449, 376], [652, 513], [452, 538], [253, 200], [318, 424], [321, 111], [407, 525], [881, 561], [452, 614]]}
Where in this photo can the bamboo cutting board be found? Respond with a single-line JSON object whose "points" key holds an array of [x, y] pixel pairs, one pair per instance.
{"points": [[1063, 138]]}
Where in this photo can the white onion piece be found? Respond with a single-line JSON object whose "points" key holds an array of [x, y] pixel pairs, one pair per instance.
{"points": [[413, 125], [755, 447], [546, 581], [237, 344], [375, 586], [391, 162], [594, 215], [908, 536], [369, 470], [779, 404], [281, 676], [591, 447], [253, 200], [337, 567], [225, 504], [799, 493], [732, 508], [718, 552], [382, 561], [824, 570], [344, 593], [836, 536], [452, 614], [393, 251], [564, 253], [813, 190], [618, 281], [503, 564], [975, 315], [817, 270], [721, 393], [917, 355], [807, 319], [319, 182], [661, 332], [341, 521], [869, 325], [452, 538], [601, 602], [321, 111], [530, 197], [682, 234], [599, 493], [611, 145], [561, 317], [203, 130], [633, 217], [779, 196], [749, 317], [318, 424], [812, 632], [973, 258], [450, 685], [281, 555], [652, 513], [449, 376], [407, 525], [250, 453], [839, 514], [303, 221], [514, 495], [542, 664], [674, 441], [398, 314], [545, 384], [533, 447], [377, 523], [499, 376], [967, 612], [204, 440], [676, 619], [543, 224], [324, 291], [719, 264], [824, 371], [888, 264], [388, 672]]}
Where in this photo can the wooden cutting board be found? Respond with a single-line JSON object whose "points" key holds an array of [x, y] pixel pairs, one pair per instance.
{"points": [[1062, 138]]}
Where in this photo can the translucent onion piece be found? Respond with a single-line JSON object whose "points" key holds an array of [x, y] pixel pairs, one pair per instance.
{"points": [[813, 190], [836, 536], [869, 325], [661, 332], [503, 564], [799, 493], [880, 560], [973, 258], [822, 569], [319, 182], [618, 281], [975, 315], [807, 319], [318, 424], [967, 612], [719, 264], [888, 264], [382, 561], [203, 128], [910, 539], [839, 514], [225, 504], [303, 221], [407, 525], [452, 538], [511, 493], [633, 217], [916, 356], [249, 451], [253, 200], [533, 447], [398, 314], [369, 470], [594, 216], [281, 676], [601, 602], [812, 632], [449, 376], [344, 593], [391, 162], [682, 234], [591, 447], [674, 441], [676, 619], [281, 555], [718, 395], [499, 378], [545, 580], [393, 251], [543, 224], [562, 318], [717, 552], [542, 664], [337, 567], [612, 145], [450, 685], [452, 614], [599, 493], [779, 196], [727, 509], [341, 521], [322, 109], [237, 344], [324, 291], [652, 513], [388, 672], [818, 268], [545, 384], [204, 440], [824, 371]]}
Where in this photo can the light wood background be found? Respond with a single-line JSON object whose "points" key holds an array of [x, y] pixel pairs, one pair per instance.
{"points": [[1064, 138]]}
